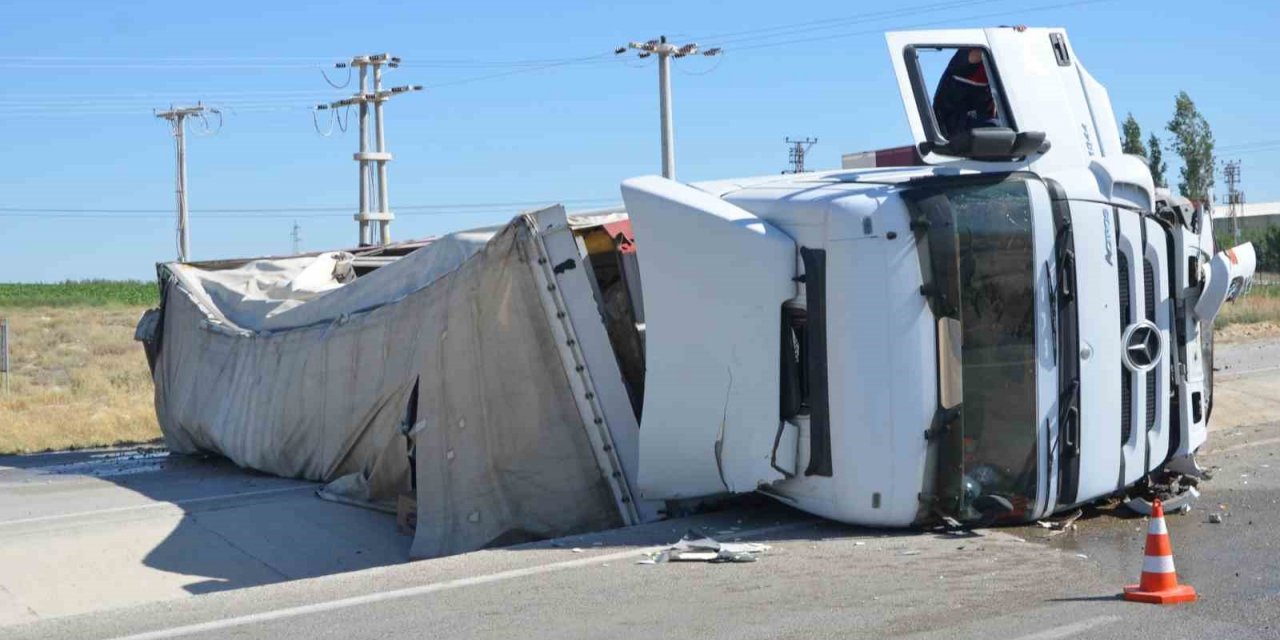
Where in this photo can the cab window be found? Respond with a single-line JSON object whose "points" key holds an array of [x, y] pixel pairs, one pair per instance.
{"points": [[957, 89]]}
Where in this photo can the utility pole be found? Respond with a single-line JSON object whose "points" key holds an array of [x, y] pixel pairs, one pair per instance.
{"points": [[296, 236], [798, 149], [372, 65], [177, 117], [1235, 198], [665, 51]]}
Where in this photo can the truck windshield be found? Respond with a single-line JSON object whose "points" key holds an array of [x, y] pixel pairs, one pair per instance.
{"points": [[997, 314], [977, 254]]}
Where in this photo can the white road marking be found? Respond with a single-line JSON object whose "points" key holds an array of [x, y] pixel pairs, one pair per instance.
{"points": [[1070, 630], [152, 505], [409, 592]]}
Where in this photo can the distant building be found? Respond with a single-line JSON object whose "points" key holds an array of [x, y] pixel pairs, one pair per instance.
{"points": [[1252, 216]]}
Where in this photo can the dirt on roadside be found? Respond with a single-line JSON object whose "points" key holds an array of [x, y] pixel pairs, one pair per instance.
{"points": [[1247, 332]]}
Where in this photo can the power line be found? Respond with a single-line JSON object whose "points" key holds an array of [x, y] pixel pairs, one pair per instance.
{"points": [[515, 67], [596, 58], [948, 21], [836, 21], [445, 206], [97, 62], [259, 102]]}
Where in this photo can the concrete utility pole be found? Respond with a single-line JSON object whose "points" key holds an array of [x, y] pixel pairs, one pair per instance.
{"points": [[1235, 198], [665, 51], [296, 236], [372, 65], [177, 117], [797, 152]]}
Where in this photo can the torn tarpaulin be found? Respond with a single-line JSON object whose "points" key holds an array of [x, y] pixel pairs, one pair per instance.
{"points": [[696, 547]]}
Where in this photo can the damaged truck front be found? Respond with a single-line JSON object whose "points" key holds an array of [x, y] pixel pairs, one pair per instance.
{"points": [[1004, 320]]}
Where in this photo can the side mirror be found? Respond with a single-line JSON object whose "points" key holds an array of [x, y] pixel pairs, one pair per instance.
{"points": [[950, 375], [991, 143]]}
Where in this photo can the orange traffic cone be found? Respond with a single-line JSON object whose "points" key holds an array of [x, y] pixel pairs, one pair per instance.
{"points": [[1159, 583]]}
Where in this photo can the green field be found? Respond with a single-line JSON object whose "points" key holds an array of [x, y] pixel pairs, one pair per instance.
{"points": [[79, 293]]}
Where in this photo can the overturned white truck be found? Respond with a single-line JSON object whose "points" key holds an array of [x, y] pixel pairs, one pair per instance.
{"points": [[1001, 321]]}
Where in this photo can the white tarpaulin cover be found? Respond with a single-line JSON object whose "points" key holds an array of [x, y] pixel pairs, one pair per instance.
{"points": [[292, 367]]}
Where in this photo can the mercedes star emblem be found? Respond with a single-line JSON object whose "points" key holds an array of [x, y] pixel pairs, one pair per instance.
{"points": [[1143, 344]]}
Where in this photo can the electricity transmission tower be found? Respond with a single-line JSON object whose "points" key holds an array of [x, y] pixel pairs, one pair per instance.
{"points": [[372, 65], [665, 51], [1235, 198], [798, 149], [296, 236], [177, 117]]}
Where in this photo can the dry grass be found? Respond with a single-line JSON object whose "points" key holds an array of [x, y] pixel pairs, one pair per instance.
{"points": [[1258, 312], [77, 380]]}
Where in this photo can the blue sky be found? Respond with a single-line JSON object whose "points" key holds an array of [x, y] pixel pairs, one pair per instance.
{"points": [[78, 80]]}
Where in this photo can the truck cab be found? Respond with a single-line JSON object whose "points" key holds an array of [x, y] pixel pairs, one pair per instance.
{"points": [[1003, 320]]}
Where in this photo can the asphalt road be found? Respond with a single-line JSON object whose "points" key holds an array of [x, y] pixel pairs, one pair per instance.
{"points": [[94, 530], [819, 579]]}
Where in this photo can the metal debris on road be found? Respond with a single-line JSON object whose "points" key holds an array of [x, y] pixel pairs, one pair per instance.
{"points": [[1215, 518], [1062, 526], [696, 547]]}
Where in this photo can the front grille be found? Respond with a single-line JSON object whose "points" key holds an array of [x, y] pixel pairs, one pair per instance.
{"points": [[1148, 276], [1126, 376]]}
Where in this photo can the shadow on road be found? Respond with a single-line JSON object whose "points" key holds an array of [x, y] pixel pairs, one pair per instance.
{"points": [[141, 524]]}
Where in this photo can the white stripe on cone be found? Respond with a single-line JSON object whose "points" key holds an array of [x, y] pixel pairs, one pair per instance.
{"points": [[1157, 564], [1157, 527]]}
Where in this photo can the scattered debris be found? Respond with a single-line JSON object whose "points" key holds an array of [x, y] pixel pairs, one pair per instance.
{"points": [[859, 543], [576, 549], [909, 552], [1061, 525], [1215, 518], [1081, 555], [697, 547], [1068, 524]]}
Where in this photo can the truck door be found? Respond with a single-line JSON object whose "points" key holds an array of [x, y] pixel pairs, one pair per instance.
{"points": [[1002, 86], [714, 278]]}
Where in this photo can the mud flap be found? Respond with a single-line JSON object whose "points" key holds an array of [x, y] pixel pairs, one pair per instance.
{"points": [[714, 278]]}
